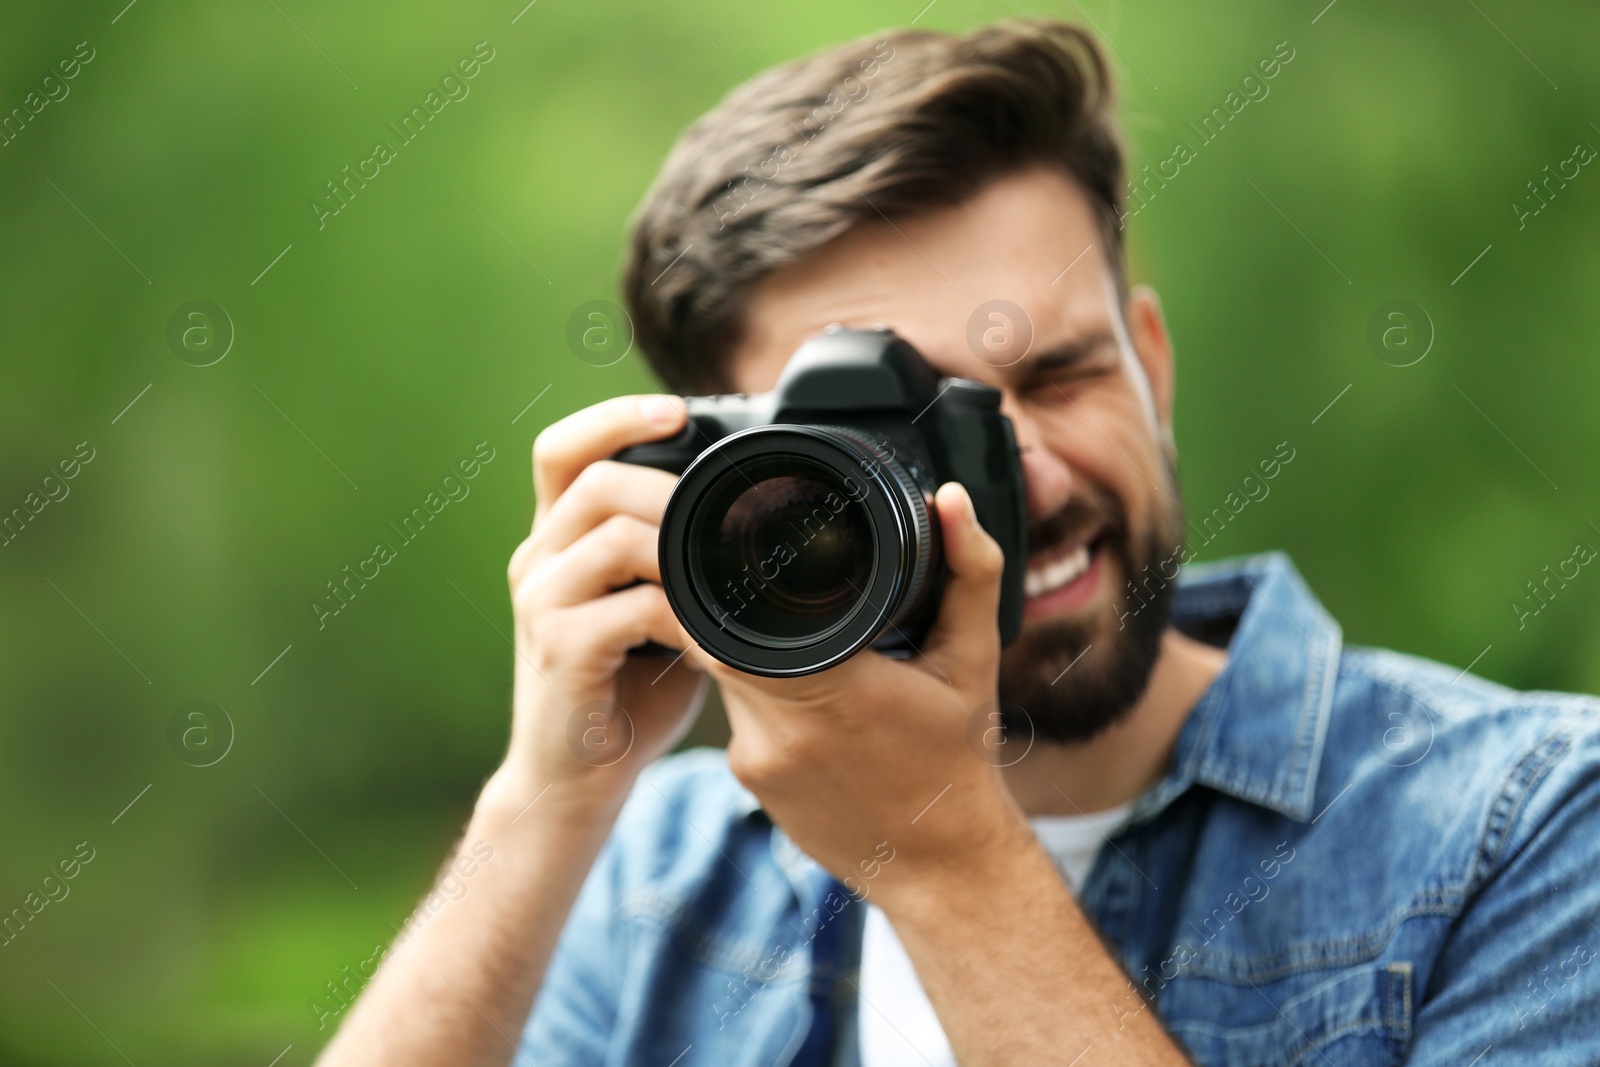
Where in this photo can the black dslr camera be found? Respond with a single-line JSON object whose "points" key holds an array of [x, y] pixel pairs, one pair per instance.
{"points": [[801, 531]]}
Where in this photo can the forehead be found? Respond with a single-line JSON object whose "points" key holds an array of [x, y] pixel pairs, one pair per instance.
{"points": [[1029, 238]]}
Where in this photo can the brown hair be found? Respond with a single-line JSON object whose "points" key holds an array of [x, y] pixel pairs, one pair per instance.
{"points": [[884, 126]]}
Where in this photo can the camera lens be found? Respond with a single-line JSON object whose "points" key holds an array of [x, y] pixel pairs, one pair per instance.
{"points": [[783, 549], [787, 548]]}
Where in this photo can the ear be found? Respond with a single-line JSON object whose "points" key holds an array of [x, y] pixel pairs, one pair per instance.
{"points": [[1147, 329]]}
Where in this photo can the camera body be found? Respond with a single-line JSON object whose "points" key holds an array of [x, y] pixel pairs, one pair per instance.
{"points": [[802, 528]]}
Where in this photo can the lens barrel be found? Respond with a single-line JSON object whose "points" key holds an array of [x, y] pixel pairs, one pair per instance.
{"points": [[785, 549]]}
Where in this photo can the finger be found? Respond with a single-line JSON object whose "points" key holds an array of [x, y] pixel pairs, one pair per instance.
{"points": [[821, 694], [564, 448], [589, 642], [966, 628], [616, 553], [603, 489]]}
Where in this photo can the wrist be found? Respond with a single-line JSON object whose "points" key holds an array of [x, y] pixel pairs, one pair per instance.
{"points": [[515, 797], [1004, 859]]}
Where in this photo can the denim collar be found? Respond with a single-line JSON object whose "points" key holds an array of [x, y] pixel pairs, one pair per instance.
{"points": [[1257, 733]]}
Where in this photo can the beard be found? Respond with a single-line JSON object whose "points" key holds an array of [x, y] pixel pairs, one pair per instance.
{"points": [[1067, 680]]}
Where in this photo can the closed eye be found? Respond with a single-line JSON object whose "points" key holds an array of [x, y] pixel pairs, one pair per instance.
{"points": [[1046, 376]]}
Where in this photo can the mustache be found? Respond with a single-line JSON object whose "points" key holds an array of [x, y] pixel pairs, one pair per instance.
{"points": [[1079, 516]]}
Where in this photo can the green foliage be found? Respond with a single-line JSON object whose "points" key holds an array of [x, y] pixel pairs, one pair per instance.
{"points": [[378, 351]]}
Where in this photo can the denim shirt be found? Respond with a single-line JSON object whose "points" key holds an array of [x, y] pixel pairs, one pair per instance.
{"points": [[1355, 857]]}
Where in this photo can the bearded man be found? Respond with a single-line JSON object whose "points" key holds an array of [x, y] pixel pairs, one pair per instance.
{"points": [[1198, 827]]}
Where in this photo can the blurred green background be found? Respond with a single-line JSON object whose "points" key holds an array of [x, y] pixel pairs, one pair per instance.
{"points": [[376, 352]]}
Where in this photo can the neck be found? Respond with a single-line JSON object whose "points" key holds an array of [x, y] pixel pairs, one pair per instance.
{"points": [[1127, 758]]}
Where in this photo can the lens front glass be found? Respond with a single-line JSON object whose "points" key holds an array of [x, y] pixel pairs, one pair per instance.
{"points": [[781, 549]]}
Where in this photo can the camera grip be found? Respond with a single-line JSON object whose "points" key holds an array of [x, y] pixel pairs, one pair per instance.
{"points": [[671, 455], [980, 452]]}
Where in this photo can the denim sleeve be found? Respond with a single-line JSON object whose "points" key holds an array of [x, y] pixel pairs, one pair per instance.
{"points": [[575, 1012], [1519, 980]]}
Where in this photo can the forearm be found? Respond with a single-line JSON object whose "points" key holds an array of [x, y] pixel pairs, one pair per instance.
{"points": [[1016, 972], [457, 986]]}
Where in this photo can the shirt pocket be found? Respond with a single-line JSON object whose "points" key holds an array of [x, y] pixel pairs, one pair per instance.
{"points": [[1355, 1015]]}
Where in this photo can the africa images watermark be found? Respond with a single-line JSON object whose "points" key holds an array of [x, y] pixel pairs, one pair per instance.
{"points": [[1253, 889], [55, 490], [343, 589], [1542, 592], [55, 89], [1141, 190], [1542, 194], [1552, 985], [342, 191], [1160, 573], [54, 888], [452, 886]]}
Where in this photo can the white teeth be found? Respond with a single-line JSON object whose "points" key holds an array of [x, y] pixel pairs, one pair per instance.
{"points": [[1053, 576]]}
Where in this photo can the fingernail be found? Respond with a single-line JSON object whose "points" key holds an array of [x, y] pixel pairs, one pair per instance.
{"points": [[659, 410]]}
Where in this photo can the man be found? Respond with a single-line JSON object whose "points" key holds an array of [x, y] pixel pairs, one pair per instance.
{"points": [[1232, 841]]}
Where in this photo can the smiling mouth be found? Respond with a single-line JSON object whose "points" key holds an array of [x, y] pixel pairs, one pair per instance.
{"points": [[1057, 569]]}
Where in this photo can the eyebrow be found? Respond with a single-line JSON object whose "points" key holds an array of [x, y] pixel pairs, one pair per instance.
{"points": [[1065, 355]]}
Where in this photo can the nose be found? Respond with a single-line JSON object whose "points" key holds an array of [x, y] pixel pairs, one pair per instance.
{"points": [[1049, 482], [1047, 476]]}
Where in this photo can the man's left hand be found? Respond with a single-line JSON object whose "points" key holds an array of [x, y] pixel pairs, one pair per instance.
{"points": [[869, 760]]}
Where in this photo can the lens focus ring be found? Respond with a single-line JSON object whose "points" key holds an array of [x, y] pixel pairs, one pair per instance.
{"points": [[919, 537]]}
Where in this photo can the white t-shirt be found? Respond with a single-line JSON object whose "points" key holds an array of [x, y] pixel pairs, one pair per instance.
{"points": [[897, 1023]]}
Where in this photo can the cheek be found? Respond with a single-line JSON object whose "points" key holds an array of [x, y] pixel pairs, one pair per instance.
{"points": [[1131, 436], [1105, 440]]}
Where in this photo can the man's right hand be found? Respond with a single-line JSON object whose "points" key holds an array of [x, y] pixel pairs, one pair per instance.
{"points": [[586, 716], [585, 590]]}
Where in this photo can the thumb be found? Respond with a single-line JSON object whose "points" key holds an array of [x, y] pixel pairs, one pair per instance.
{"points": [[967, 632]]}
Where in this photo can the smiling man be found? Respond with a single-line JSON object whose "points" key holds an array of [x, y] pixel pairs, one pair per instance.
{"points": [[1229, 839]]}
